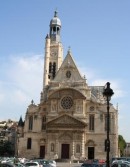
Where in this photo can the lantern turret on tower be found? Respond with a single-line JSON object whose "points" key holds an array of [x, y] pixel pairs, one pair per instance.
{"points": [[55, 27]]}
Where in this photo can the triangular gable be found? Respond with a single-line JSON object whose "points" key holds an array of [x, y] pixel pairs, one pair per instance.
{"points": [[68, 65], [69, 91], [66, 121]]}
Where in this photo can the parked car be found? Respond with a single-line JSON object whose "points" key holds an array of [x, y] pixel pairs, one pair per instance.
{"points": [[19, 165], [45, 163], [52, 163], [32, 164], [42, 162], [6, 164], [120, 164], [114, 159], [90, 165]]}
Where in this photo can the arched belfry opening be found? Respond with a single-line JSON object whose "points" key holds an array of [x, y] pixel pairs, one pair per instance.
{"points": [[52, 70]]}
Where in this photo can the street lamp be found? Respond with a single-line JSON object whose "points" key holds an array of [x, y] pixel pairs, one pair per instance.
{"points": [[107, 93]]}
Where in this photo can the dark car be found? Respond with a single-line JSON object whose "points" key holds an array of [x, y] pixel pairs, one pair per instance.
{"points": [[19, 165], [6, 164], [90, 165]]}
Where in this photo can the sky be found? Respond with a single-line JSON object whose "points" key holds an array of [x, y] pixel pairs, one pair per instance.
{"points": [[98, 33]]}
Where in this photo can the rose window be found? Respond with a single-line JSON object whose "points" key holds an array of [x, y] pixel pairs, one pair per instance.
{"points": [[67, 102]]}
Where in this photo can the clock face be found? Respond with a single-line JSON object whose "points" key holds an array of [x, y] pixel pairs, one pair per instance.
{"points": [[54, 52]]}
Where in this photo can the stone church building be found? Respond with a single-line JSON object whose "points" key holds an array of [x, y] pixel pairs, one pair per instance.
{"points": [[70, 120]]}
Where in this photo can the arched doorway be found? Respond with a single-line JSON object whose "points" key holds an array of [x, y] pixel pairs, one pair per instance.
{"points": [[65, 149], [65, 139], [90, 149]]}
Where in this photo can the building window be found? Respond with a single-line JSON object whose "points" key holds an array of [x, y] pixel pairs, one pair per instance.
{"points": [[77, 148], [54, 70], [91, 108], [29, 143], [67, 102], [52, 147], [50, 67], [91, 122], [44, 123], [30, 122]]}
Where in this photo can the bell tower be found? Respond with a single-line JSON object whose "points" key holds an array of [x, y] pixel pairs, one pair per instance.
{"points": [[53, 51]]}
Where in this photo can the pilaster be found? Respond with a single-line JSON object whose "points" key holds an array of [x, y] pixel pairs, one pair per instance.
{"points": [[82, 146]]}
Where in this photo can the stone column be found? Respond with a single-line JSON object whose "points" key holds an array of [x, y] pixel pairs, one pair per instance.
{"points": [[73, 149], [56, 148], [82, 146], [47, 148]]}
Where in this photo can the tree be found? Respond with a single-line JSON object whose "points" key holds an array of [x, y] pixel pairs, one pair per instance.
{"points": [[121, 144], [6, 148]]}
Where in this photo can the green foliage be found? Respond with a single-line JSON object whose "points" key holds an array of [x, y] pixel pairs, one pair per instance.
{"points": [[6, 148], [121, 144]]}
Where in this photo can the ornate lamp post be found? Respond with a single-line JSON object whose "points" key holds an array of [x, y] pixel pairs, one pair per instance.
{"points": [[107, 93]]}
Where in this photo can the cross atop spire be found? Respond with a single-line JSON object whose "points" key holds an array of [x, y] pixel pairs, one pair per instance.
{"points": [[55, 13], [69, 49]]}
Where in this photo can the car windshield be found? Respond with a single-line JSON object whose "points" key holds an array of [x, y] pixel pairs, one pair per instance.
{"points": [[89, 165], [31, 164], [120, 165]]}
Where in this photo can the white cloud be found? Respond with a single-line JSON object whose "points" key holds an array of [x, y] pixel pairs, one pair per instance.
{"points": [[27, 73], [21, 83]]}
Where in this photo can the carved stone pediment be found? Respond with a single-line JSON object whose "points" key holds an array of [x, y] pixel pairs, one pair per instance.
{"points": [[57, 94], [66, 121]]}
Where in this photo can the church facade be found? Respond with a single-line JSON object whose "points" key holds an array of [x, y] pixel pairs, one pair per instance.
{"points": [[70, 120]]}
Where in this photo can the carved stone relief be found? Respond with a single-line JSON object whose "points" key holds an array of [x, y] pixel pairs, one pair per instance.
{"points": [[79, 107], [65, 136], [53, 106]]}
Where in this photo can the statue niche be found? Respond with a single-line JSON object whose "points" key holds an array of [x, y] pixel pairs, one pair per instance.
{"points": [[79, 106], [53, 106]]}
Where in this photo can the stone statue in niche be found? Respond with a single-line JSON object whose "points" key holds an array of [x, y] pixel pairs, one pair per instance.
{"points": [[53, 106], [79, 107]]}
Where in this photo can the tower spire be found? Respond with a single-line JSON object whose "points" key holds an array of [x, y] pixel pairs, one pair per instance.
{"points": [[55, 27]]}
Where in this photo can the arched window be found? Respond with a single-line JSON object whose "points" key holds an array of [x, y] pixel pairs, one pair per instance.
{"points": [[52, 147], [77, 148], [91, 122], [50, 67], [54, 70], [30, 123], [29, 143], [44, 119], [44, 123]]}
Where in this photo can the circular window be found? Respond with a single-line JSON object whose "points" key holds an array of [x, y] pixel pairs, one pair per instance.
{"points": [[92, 108], [67, 102]]}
